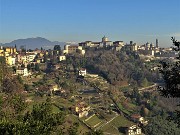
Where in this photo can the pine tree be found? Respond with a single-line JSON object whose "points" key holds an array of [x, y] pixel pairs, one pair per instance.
{"points": [[171, 76]]}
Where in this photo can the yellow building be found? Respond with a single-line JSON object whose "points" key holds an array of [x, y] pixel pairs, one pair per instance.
{"points": [[38, 60], [41, 54], [10, 50], [10, 60], [69, 49], [82, 110]]}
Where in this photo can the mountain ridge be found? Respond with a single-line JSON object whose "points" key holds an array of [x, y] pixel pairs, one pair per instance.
{"points": [[33, 43]]}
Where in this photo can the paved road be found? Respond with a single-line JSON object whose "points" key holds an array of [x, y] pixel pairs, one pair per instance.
{"points": [[149, 88]]}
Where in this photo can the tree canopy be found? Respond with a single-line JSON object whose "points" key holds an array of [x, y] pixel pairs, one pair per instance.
{"points": [[171, 76]]}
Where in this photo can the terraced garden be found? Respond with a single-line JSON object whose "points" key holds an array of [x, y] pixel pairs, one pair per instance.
{"points": [[115, 126], [94, 121]]}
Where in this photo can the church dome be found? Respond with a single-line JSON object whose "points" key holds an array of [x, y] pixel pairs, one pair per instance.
{"points": [[104, 39]]}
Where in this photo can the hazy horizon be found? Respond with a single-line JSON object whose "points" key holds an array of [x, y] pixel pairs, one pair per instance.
{"points": [[81, 20]]}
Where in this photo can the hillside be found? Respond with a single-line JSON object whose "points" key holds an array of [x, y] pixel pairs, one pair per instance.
{"points": [[113, 67]]}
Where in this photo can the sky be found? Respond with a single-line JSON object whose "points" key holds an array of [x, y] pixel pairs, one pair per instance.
{"points": [[80, 20]]}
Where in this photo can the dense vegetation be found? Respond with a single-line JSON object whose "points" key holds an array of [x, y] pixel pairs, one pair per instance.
{"points": [[40, 120], [171, 76], [116, 67], [159, 125], [18, 116], [14, 116]]}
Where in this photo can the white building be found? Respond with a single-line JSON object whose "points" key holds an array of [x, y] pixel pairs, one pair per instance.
{"points": [[134, 130], [62, 57], [22, 71], [89, 44], [30, 57], [118, 43], [82, 72], [105, 42]]}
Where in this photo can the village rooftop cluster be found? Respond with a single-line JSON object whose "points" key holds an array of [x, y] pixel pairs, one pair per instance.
{"points": [[22, 57]]}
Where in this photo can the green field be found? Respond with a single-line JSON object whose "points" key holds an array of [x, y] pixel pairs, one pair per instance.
{"points": [[114, 126], [93, 121], [128, 112]]}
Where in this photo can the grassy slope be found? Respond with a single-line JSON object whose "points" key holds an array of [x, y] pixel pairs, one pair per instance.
{"points": [[113, 126]]}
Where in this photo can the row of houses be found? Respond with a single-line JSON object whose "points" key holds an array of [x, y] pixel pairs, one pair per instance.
{"points": [[19, 58], [147, 49], [117, 45], [13, 56]]}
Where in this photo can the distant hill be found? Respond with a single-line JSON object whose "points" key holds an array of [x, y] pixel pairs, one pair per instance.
{"points": [[38, 42]]}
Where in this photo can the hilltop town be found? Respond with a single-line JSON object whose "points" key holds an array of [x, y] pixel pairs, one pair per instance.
{"points": [[103, 86], [15, 57]]}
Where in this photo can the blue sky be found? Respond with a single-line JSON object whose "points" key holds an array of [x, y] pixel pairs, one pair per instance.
{"points": [[81, 20]]}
